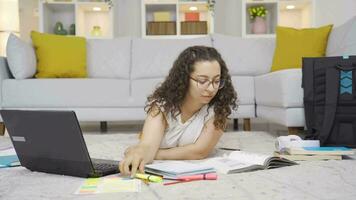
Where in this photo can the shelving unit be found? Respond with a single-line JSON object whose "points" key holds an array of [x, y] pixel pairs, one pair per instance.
{"points": [[271, 18], [176, 18], [85, 14], [161, 19], [300, 16]]}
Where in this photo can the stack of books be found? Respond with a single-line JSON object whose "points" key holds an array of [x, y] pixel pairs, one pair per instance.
{"points": [[314, 153]]}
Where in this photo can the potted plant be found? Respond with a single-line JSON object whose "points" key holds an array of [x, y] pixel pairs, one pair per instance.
{"points": [[258, 15]]}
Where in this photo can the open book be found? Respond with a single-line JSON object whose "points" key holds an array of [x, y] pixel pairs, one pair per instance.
{"points": [[176, 169], [241, 161]]}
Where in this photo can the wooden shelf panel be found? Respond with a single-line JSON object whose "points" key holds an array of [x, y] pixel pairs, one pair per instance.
{"points": [[161, 28], [194, 27]]}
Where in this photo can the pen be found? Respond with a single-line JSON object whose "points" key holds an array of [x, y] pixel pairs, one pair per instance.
{"points": [[175, 182], [184, 179], [229, 149], [149, 177]]}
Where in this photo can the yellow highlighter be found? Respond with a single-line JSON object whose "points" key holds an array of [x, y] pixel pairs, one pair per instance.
{"points": [[152, 178]]}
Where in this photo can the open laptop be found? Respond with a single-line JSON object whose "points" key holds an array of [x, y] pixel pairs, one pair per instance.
{"points": [[52, 142]]}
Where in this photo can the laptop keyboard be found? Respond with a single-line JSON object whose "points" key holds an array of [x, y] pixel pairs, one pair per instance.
{"points": [[105, 165]]}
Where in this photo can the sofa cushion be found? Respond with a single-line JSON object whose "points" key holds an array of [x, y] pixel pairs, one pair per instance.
{"points": [[52, 93], [280, 89], [245, 56], [141, 89], [245, 89], [59, 56], [293, 44], [244, 111], [109, 58], [21, 58], [152, 58], [342, 40]]}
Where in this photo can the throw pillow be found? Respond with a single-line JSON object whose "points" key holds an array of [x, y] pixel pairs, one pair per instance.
{"points": [[59, 56], [20, 57], [342, 40], [293, 44]]}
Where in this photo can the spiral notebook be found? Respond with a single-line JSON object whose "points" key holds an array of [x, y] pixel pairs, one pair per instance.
{"points": [[176, 169]]}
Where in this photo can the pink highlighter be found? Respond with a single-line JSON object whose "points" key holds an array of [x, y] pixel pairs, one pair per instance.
{"points": [[210, 176], [183, 179]]}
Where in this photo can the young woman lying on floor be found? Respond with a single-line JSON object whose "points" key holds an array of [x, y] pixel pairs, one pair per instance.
{"points": [[187, 113]]}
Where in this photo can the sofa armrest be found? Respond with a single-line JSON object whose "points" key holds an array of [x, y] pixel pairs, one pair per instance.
{"points": [[4, 74], [280, 89]]}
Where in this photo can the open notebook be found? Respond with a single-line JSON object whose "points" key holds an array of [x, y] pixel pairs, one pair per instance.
{"points": [[241, 161]]}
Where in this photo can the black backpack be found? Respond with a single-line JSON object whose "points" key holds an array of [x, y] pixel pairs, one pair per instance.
{"points": [[329, 85]]}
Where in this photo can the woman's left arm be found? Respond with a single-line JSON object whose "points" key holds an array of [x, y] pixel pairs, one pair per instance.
{"points": [[199, 150]]}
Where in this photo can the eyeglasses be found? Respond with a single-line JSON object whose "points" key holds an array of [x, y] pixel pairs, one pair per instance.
{"points": [[204, 83]]}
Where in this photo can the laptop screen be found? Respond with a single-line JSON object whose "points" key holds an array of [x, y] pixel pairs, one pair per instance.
{"points": [[48, 141]]}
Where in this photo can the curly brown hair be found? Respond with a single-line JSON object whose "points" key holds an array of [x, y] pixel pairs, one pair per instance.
{"points": [[171, 93]]}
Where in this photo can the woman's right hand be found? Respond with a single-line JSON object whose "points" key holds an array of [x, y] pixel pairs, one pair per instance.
{"points": [[136, 157]]}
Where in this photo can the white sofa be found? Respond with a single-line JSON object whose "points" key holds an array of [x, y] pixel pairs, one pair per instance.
{"points": [[124, 71]]}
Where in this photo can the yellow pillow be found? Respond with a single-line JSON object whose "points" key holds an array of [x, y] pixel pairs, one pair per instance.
{"points": [[59, 56], [293, 44]]}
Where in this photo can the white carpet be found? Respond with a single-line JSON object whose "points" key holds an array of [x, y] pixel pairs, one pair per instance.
{"points": [[310, 180]]}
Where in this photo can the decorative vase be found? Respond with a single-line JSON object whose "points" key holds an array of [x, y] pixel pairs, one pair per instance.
{"points": [[72, 29], [96, 31], [59, 30], [259, 26]]}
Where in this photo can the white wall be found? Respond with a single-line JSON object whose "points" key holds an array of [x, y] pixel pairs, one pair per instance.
{"points": [[334, 11], [28, 17], [9, 22], [128, 15], [228, 18]]}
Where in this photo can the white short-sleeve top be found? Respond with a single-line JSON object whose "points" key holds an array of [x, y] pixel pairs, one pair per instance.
{"points": [[180, 134]]}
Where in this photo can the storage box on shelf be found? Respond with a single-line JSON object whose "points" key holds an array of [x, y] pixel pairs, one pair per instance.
{"points": [[160, 19]]}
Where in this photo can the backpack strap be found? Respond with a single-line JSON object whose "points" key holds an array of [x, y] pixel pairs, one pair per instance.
{"points": [[308, 99], [331, 98]]}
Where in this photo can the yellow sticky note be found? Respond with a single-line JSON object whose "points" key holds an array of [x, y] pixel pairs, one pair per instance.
{"points": [[92, 181], [109, 185]]}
